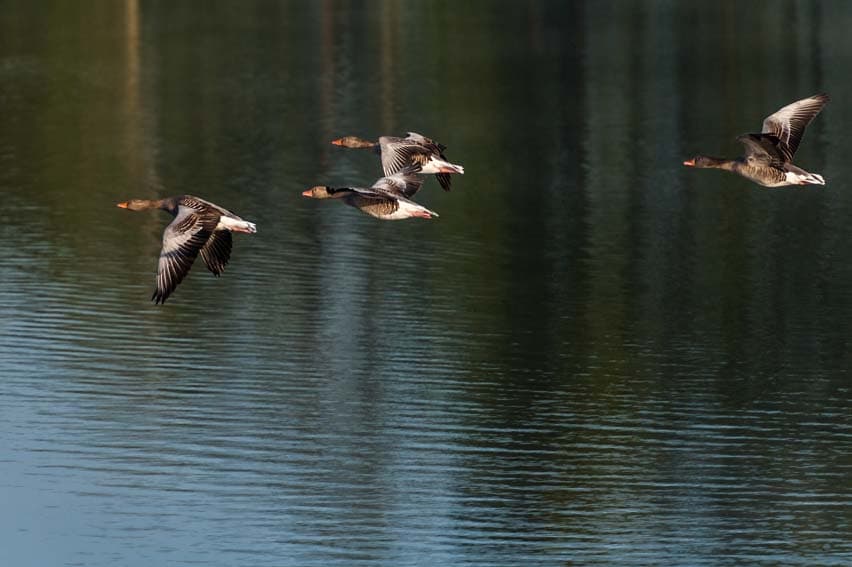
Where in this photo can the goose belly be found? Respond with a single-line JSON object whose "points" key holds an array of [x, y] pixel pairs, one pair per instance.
{"points": [[406, 210]]}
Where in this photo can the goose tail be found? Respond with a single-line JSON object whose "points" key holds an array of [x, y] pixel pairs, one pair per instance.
{"points": [[805, 178], [237, 225], [437, 165]]}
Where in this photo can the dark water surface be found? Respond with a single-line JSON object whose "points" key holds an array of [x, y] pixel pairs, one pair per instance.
{"points": [[594, 356]]}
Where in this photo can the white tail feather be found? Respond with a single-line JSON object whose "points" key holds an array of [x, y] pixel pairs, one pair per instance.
{"points": [[435, 165], [237, 225], [408, 209], [811, 179]]}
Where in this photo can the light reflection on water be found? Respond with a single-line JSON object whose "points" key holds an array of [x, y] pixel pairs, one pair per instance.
{"points": [[591, 357]]}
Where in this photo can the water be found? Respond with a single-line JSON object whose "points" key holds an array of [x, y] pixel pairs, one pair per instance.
{"points": [[594, 356]]}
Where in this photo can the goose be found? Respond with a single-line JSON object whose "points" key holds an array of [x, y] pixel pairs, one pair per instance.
{"points": [[199, 227], [414, 149], [769, 154], [387, 199]]}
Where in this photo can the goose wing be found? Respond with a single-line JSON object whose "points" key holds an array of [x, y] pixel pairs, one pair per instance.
{"points": [[445, 180], [404, 183], [217, 251], [762, 149], [183, 239], [373, 201], [364, 194], [397, 153], [788, 123], [437, 149], [426, 142]]}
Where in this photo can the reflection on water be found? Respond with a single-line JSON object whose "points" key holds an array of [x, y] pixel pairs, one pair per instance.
{"points": [[592, 357]]}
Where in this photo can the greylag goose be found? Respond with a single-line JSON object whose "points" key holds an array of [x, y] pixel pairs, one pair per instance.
{"points": [[199, 227], [387, 199], [415, 149], [769, 154]]}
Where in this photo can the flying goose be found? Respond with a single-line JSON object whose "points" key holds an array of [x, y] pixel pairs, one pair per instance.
{"points": [[769, 154], [199, 227], [387, 199]]}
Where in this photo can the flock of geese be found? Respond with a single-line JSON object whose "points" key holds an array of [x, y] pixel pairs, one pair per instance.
{"points": [[204, 228]]}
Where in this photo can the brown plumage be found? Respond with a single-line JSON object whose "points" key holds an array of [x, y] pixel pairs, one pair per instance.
{"points": [[199, 227], [769, 154]]}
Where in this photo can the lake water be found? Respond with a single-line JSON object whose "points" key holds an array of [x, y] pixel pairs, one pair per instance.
{"points": [[594, 355]]}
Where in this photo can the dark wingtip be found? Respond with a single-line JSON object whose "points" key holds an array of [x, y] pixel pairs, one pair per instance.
{"points": [[445, 180]]}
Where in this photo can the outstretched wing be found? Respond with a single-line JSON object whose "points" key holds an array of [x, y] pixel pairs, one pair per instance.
{"points": [[397, 153], [788, 123], [444, 179], [217, 251], [416, 149], [403, 183], [426, 142], [437, 149], [183, 238]]}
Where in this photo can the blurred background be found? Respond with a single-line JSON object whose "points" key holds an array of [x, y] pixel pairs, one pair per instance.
{"points": [[594, 355]]}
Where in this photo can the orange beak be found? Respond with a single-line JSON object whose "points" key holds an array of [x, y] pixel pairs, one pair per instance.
{"points": [[307, 193], [122, 205], [337, 142], [689, 162]]}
